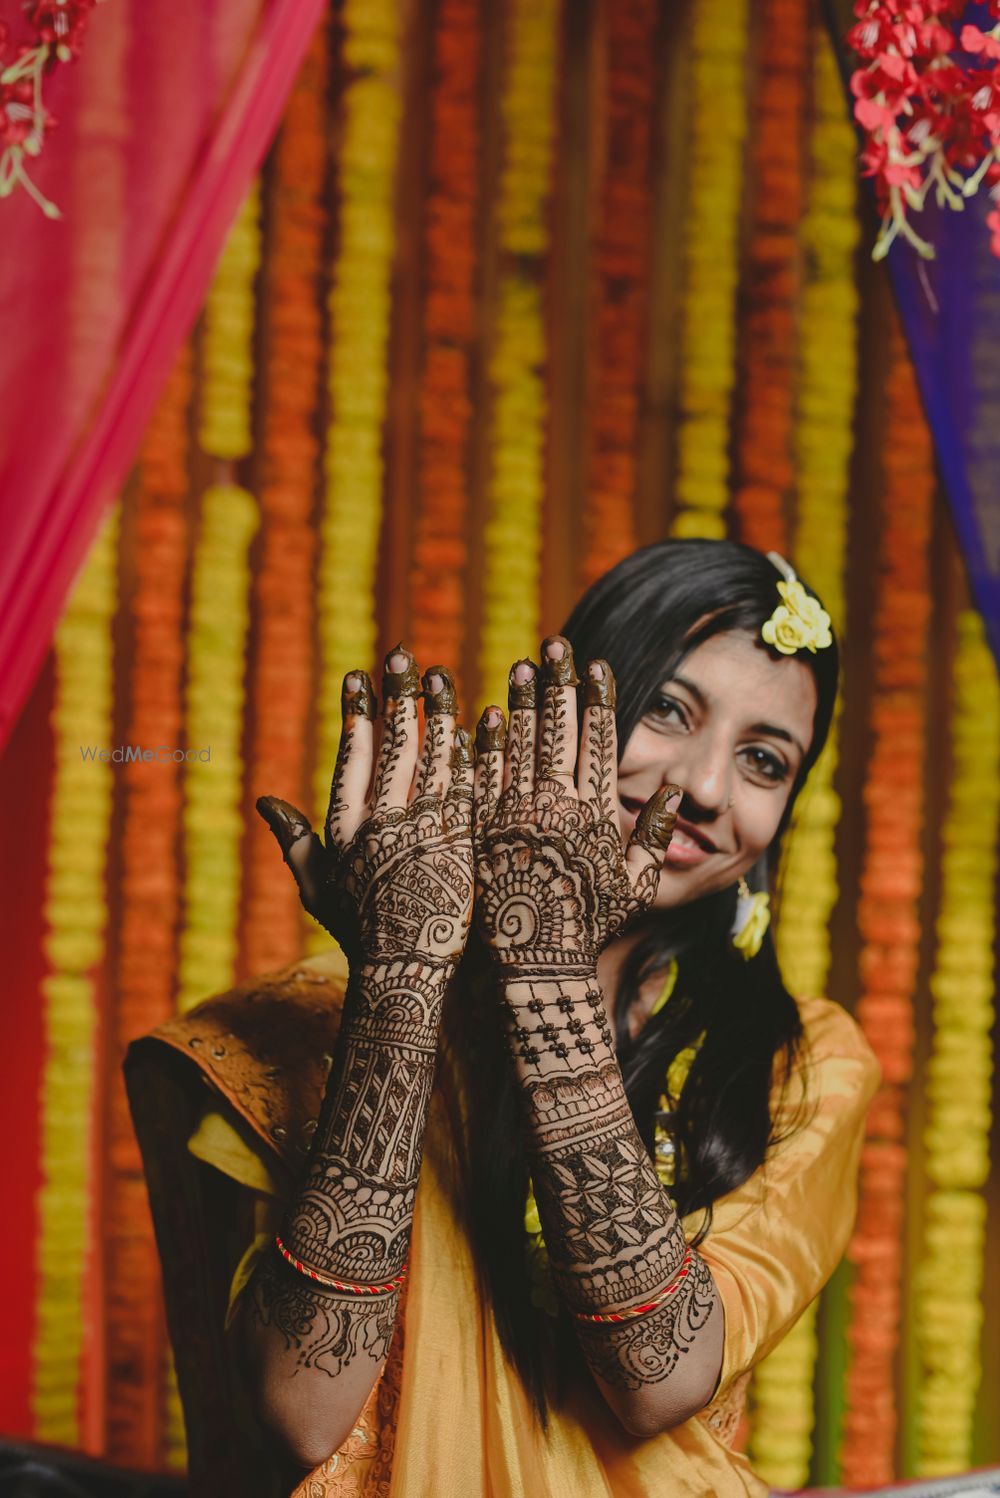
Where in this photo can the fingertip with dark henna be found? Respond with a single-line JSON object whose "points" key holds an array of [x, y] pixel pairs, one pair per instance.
{"points": [[523, 687], [285, 821], [599, 688], [443, 697], [558, 669], [402, 680], [357, 698], [491, 731], [654, 825]]}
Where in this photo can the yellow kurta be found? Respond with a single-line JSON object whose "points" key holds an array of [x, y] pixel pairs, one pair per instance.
{"points": [[460, 1421]]}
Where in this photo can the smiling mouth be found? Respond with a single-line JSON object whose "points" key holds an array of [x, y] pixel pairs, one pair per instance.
{"points": [[686, 836]]}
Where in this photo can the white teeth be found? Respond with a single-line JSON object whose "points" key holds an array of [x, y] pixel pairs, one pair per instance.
{"points": [[681, 840]]}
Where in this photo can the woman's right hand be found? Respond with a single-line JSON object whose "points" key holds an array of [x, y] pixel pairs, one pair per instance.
{"points": [[394, 878]]}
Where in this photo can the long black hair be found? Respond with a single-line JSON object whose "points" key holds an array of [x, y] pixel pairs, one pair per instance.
{"points": [[644, 617]]}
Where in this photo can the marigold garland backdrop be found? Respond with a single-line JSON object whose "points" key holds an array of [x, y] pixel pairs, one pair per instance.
{"points": [[521, 284]]}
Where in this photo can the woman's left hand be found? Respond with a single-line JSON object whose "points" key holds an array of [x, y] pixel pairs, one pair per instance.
{"points": [[554, 885]]}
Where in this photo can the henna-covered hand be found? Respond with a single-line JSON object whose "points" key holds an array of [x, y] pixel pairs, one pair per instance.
{"points": [[393, 884], [393, 879], [553, 886], [553, 883]]}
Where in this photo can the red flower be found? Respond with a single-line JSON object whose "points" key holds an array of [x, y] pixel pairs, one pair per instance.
{"points": [[60, 24], [17, 113], [935, 38], [980, 42]]}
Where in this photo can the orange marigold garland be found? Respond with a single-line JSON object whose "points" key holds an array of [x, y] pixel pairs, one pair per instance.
{"points": [[764, 442], [150, 909], [888, 918], [282, 669], [437, 580], [620, 283]]}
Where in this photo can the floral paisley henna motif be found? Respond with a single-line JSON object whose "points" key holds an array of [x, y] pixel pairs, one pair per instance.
{"points": [[325, 1330], [648, 1349]]}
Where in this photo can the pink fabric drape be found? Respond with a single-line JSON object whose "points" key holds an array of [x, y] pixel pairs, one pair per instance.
{"points": [[161, 124]]}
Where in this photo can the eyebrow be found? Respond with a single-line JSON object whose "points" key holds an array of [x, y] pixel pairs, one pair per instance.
{"points": [[769, 729]]}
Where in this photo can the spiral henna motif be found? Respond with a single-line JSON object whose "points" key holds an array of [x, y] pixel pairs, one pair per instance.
{"points": [[552, 888]]}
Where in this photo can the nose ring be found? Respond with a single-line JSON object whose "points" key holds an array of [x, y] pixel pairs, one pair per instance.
{"points": [[731, 800]]}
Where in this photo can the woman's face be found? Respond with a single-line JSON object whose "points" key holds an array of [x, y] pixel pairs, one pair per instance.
{"points": [[731, 728]]}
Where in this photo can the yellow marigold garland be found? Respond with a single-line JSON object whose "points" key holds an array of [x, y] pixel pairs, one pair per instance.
{"points": [[359, 306], [67, 1349], [75, 919], [782, 1395], [225, 427], [219, 622], [949, 1281], [213, 818], [516, 485], [216, 651], [711, 266], [824, 438]]}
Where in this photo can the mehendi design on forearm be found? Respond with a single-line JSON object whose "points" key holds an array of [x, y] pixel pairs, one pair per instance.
{"points": [[327, 1330], [648, 1349], [393, 885], [353, 1212], [554, 886], [613, 1238]]}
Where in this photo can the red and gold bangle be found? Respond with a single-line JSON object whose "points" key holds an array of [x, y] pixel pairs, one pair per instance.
{"points": [[649, 1305], [385, 1288]]}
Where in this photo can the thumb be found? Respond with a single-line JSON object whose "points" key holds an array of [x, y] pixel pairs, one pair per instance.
{"points": [[650, 839], [300, 847]]}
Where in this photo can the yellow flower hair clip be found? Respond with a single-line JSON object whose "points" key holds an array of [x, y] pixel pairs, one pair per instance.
{"points": [[799, 622]]}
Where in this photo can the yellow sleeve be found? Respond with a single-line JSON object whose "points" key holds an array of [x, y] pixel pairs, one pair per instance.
{"points": [[775, 1240], [220, 1141]]}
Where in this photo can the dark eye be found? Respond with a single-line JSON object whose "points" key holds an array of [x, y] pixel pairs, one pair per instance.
{"points": [[665, 710], [765, 763]]}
